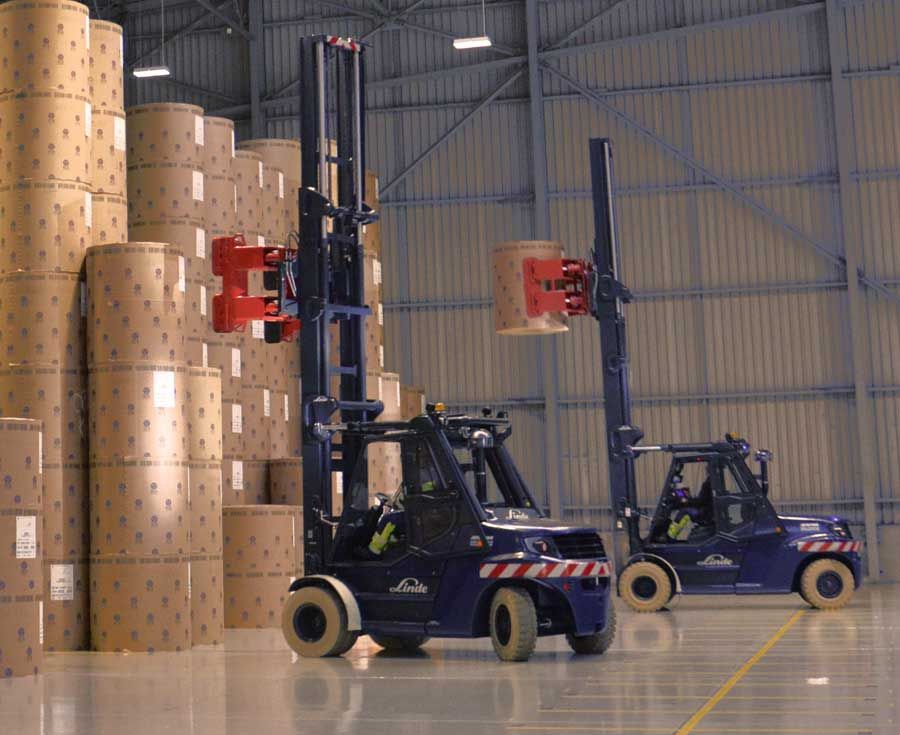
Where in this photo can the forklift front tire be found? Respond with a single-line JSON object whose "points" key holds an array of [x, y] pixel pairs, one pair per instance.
{"points": [[827, 584], [645, 586], [513, 624], [314, 623], [399, 643], [598, 643]]}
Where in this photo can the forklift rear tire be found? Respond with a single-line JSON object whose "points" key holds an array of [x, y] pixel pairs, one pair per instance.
{"points": [[594, 645], [827, 584], [314, 623], [513, 624], [645, 586], [399, 643]]}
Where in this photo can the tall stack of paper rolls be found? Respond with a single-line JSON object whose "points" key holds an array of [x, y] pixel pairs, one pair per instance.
{"points": [[46, 224], [139, 449]]}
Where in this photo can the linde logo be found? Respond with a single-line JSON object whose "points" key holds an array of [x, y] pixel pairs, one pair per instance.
{"points": [[716, 560], [409, 586]]}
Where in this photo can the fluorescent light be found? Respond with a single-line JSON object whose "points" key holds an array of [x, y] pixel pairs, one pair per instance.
{"points": [[472, 42], [145, 72]]}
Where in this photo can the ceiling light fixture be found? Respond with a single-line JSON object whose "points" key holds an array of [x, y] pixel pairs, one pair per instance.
{"points": [[482, 41], [162, 70]]}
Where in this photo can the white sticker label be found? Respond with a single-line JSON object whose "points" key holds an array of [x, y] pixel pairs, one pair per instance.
{"points": [[380, 311], [380, 389], [119, 133], [261, 241], [198, 186], [232, 144], [88, 120], [87, 33], [40, 452], [237, 475], [164, 389], [182, 286], [62, 582], [122, 50], [422, 403], [287, 408], [260, 174], [237, 419], [257, 330], [88, 209], [200, 243], [235, 362], [280, 185], [381, 355], [26, 537], [198, 130], [203, 301], [83, 299], [376, 272], [189, 580], [205, 352], [267, 403], [235, 198], [339, 482], [41, 622]]}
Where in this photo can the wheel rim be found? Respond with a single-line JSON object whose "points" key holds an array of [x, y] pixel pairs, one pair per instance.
{"points": [[310, 623], [644, 587], [502, 625], [829, 585]]}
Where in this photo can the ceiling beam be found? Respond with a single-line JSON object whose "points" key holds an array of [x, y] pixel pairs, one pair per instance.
{"points": [[184, 30], [232, 23]]}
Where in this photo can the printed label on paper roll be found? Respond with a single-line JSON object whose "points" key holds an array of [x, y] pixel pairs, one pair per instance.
{"points": [[235, 362], [422, 403], [200, 243], [164, 389], [380, 315], [376, 272], [88, 209], [232, 144], [287, 408], [260, 174], [198, 186], [261, 240], [198, 130], [237, 419], [280, 185], [267, 403], [398, 392], [182, 286], [119, 133], [339, 482], [202, 300], [381, 355], [41, 622], [257, 329], [122, 50], [237, 475], [87, 33], [62, 582], [205, 352], [41, 452], [88, 120], [26, 537], [189, 580], [235, 198]]}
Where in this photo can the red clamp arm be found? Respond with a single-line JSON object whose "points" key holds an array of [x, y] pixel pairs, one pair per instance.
{"points": [[556, 285]]}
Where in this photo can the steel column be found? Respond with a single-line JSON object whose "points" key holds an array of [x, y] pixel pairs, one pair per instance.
{"points": [[865, 423], [257, 71]]}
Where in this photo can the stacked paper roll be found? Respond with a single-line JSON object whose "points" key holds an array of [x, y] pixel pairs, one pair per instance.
{"points": [[510, 311]]}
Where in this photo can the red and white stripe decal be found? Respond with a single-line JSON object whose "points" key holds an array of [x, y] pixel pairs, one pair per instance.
{"points": [[544, 570], [843, 546], [347, 43]]}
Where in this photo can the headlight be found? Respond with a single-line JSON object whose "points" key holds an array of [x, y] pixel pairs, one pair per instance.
{"points": [[841, 529], [541, 546]]}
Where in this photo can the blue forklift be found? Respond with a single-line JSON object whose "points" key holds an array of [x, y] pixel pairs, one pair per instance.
{"points": [[714, 529], [460, 548]]}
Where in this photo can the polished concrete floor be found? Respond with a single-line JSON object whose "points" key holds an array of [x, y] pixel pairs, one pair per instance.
{"points": [[712, 665]]}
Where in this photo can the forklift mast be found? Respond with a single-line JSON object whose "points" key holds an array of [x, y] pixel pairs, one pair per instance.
{"points": [[329, 272]]}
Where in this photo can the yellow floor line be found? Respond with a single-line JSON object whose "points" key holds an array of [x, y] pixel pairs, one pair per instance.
{"points": [[701, 713]]}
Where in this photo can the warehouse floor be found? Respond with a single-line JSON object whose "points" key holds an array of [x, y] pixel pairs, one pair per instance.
{"points": [[714, 665]]}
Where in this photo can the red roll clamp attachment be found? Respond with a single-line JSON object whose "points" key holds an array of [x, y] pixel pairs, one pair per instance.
{"points": [[233, 308], [559, 285]]}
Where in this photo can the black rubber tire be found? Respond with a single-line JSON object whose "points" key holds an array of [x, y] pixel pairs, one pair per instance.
{"points": [[399, 643], [598, 643], [324, 620], [513, 624], [657, 582], [810, 583]]}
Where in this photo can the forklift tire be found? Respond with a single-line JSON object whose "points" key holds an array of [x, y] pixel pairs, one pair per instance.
{"points": [[645, 586], [399, 643], [827, 584], [594, 645], [513, 624], [314, 623]]}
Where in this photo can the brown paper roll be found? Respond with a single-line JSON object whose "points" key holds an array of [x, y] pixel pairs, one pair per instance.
{"points": [[44, 226], [510, 315], [280, 436], [21, 652], [280, 153], [166, 133], [248, 176], [139, 508], [206, 507], [219, 148], [138, 411], [412, 402], [256, 599], [66, 512], [232, 429], [207, 601], [165, 191], [140, 604], [286, 481], [107, 62], [245, 482], [57, 398], [108, 173], [272, 222], [110, 219], [258, 408], [21, 552], [145, 270], [372, 232], [66, 605], [45, 136], [45, 46], [220, 195], [189, 236], [204, 402], [42, 321], [224, 354], [20, 464]]}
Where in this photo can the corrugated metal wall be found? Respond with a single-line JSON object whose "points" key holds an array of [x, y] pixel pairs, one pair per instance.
{"points": [[740, 324]]}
